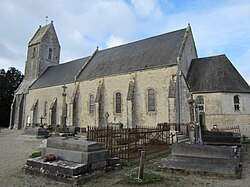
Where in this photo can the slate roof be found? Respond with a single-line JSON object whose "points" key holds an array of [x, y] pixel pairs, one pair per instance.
{"points": [[59, 74], [39, 34], [215, 74], [161, 50], [24, 87]]}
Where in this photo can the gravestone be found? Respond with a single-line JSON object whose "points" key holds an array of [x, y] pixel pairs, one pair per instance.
{"points": [[224, 160], [220, 138], [36, 132], [76, 150]]}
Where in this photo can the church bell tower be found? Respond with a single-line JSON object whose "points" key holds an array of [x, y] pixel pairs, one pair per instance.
{"points": [[43, 51]]}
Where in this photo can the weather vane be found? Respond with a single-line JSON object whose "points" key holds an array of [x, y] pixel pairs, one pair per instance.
{"points": [[46, 19]]}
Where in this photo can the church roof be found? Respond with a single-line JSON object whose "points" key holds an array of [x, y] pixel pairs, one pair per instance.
{"points": [[149, 53], [158, 51], [39, 34], [59, 74], [215, 74]]}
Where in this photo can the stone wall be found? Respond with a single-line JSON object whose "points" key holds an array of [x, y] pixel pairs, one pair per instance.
{"points": [[48, 95], [37, 55], [32, 63], [49, 41], [158, 79], [219, 110], [185, 95], [186, 54]]}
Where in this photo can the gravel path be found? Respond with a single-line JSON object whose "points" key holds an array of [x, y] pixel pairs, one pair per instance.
{"points": [[14, 151]]}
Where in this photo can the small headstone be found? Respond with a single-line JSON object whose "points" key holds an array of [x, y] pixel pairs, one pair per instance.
{"points": [[37, 132]]}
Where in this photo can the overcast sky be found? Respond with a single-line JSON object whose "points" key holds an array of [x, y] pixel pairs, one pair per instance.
{"points": [[219, 27]]}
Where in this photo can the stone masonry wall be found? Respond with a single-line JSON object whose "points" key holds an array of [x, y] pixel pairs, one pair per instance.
{"points": [[157, 79], [47, 95], [219, 110], [187, 53]]}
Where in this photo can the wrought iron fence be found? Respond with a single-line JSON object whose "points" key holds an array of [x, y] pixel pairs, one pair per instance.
{"points": [[125, 142], [235, 128]]}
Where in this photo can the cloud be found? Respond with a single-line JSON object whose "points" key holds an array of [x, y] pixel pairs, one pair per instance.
{"points": [[218, 27], [114, 41], [90, 23], [221, 28], [146, 8]]}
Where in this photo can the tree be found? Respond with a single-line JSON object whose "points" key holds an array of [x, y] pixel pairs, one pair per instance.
{"points": [[9, 82]]}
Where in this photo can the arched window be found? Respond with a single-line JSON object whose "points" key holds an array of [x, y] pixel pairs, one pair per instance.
{"points": [[33, 52], [91, 104], [45, 109], [118, 102], [236, 103], [151, 100], [50, 54], [200, 103]]}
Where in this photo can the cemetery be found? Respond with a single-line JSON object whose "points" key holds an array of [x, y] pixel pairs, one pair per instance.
{"points": [[74, 159], [106, 170]]}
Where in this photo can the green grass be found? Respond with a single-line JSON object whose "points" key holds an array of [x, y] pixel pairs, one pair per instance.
{"points": [[245, 140], [147, 178], [36, 154]]}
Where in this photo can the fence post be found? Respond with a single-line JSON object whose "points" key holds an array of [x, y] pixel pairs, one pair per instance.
{"points": [[88, 133], [111, 140], [107, 135], [128, 144], [141, 167]]}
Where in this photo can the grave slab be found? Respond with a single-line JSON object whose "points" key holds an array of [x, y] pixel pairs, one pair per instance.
{"points": [[205, 158], [74, 144], [59, 166], [78, 156]]}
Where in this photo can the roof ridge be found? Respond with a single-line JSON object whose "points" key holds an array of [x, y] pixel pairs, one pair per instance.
{"points": [[213, 56], [39, 29], [65, 63], [86, 63], [183, 43], [141, 40]]}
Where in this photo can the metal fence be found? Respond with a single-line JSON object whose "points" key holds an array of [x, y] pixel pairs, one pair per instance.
{"points": [[235, 129], [125, 142]]}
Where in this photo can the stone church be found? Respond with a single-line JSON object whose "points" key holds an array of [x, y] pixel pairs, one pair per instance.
{"points": [[150, 81]]}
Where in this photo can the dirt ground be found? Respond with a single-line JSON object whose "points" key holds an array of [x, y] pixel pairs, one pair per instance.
{"points": [[15, 149]]}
